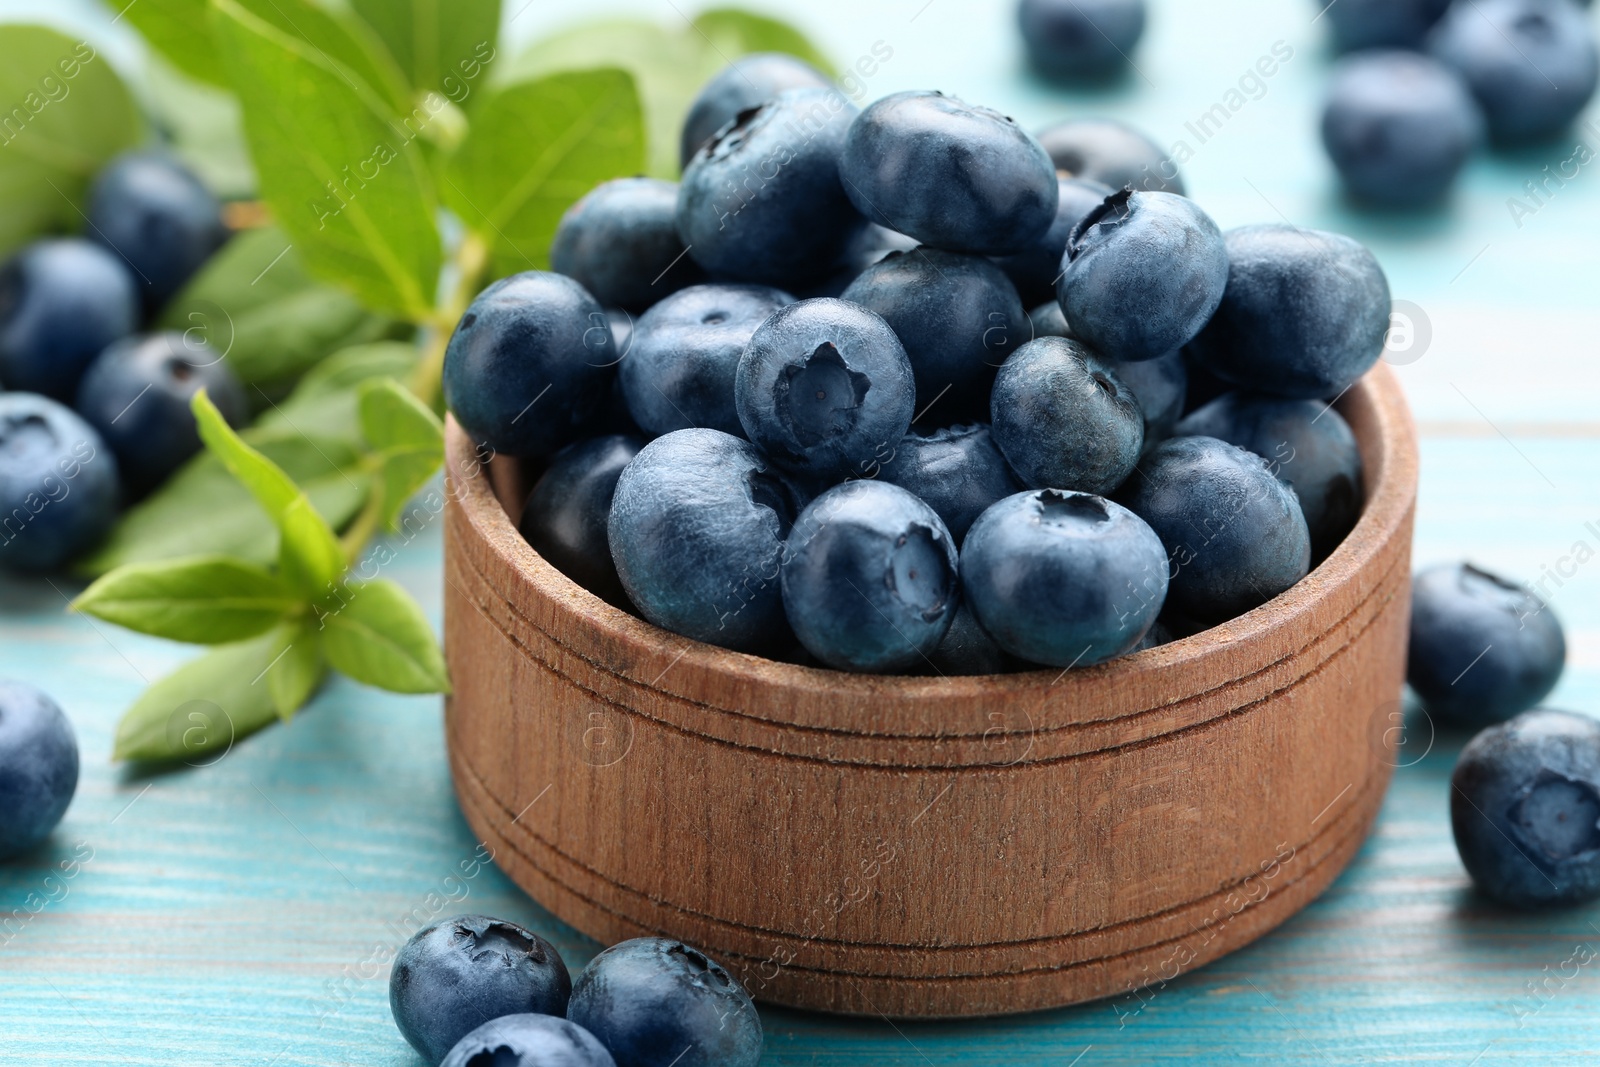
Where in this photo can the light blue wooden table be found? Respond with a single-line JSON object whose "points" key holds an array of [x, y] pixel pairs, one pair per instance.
{"points": [[238, 913]]}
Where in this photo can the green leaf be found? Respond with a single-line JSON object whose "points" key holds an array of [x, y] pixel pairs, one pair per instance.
{"points": [[309, 555], [202, 510], [375, 633], [297, 669], [533, 149], [348, 186], [408, 439], [210, 600], [179, 31], [328, 397], [733, 32], [203, 127], [441, 45], [67, 113], [198, 711]]}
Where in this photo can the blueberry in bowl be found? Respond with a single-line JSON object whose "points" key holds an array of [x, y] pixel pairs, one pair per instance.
{"points": [[748, 82], [59, 485], [38, 766], [528, 1040], [62, 301], [1160, 387], [567, 514], [620, 242], [958, 471], [1033, 270]]}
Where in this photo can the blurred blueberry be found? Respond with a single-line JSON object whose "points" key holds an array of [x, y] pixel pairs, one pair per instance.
{"points": [[565, 518], [620, 242], [533, 339], [1234, 534], [1305, 313], [1357, 24], [1064, 579], [747, 82], [38, 766], [967, 649], [659, 1003], [949, 174], [680, 370], [1399, 126], [1142, 274], [1063, 419], [1159, 386], [62, 300], [59, 487], [153, 212], [529, 1040], [1112, 153], [137, 394], [1080, 39], [1525, 809], [956, 470], [1034, 269], [1482, 648]]}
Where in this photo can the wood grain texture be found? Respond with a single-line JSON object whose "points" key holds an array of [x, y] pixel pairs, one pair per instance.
{"points": [[928, 846]]}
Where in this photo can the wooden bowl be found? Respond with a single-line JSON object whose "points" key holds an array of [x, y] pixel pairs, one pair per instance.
{"points": [[927, 847]]}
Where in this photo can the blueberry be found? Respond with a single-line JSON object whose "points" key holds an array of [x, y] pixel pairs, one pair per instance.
{"points": [[825, 388], [59, 485], [1306, 444], [1048, 320], [949, 174], [1482, 648], [1080, 38], [1063, 419], [747, 82], [680, 370], [38, 766], [566, 516], [1142, 274], [869, 578], [762, 202], [659, 1003], [534, 338], [957, 316], [1399, 126], [1532, 64], [1305, 313], [696, 530], [1159, 386], [957, 471], [154, 213], [1525, 808], [967, 649], [1064, 579], [529, 1040], [61, 302], [1111, 153], [1034, 269], [137, 395], [1357, 24], [1154, 637], [620, 242], [1234, 534], [621, 323], [456, 975]]}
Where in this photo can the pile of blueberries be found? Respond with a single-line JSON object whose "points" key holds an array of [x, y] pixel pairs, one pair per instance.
{"points": [[95, 413], [834, 434], [1426, 80], [473, 990]]}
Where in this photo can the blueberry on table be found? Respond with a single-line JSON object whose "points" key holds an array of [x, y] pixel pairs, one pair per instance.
{"points": [[1034, 269], [967, 649], [1525, 808], [1304, 315], [747, 82], [869, 578], [1398, 126], [38, 766], [696, 531], [958, 471], [658, 1003], [59, 486], [1111, 153], [456, 975], [1235, 536], [685, 352], [1142, 274], [1532, 64], [530, 364], [566, 515], [137, 394], [762, 201], [826, 389], [153, 212], [62, 300], [1160, 387], [1064, 579], [950, 174], [1482, 648], [1306, 444], [1063, 419], [529, 1040], [1080, 39], [620, 242], [1358, 24], [957, 316]]}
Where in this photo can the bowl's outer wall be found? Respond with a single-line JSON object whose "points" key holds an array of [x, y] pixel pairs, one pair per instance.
{"points": [[928, 847]]}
